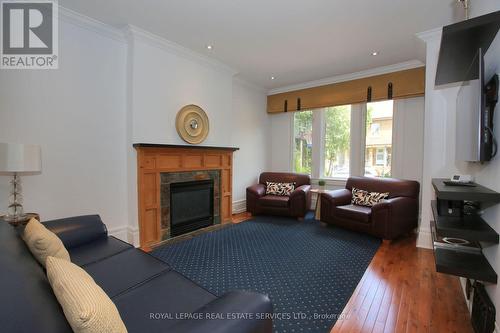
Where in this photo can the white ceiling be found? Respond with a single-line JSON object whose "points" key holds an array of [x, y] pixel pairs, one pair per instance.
{"points": [[294, 40]]}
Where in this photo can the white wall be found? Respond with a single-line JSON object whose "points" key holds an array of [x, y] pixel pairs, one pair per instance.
{"points": [[251, 133], [281, 142], [440, 122], [481, 7], [439, 147], [77, 114], [163, 78], [439, 133], [163, 82], [489, 173], [408, 138], [111, 90]]}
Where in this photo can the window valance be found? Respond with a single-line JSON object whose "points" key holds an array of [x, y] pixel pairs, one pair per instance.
{"points": [[395, 85]]}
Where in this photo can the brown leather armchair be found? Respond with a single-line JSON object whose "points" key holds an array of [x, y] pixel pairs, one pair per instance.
{"points": [[388, 219], [295, 205]]}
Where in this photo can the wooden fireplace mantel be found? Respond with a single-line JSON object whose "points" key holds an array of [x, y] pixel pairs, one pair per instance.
{"points": [[154, 159], [159, 145]]}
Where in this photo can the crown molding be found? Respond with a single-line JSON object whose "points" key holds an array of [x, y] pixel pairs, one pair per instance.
{"points": [[88, 23], [134, 33], [131, 33], [429, 35], [241, 81], [347, 77]]}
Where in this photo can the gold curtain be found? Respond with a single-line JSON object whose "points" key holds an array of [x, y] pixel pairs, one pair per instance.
{"points": [[402, 84]]}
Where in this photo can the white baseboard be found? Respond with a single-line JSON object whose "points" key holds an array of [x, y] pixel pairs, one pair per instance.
{"points": [[424, 239], [119, 232], [239, 206], [133, 236], [463, 282], [126, 234]]}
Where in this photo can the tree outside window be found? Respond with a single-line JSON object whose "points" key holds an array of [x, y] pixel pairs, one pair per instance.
{"points": [[333, 150], [302, 134], [337, 141]]}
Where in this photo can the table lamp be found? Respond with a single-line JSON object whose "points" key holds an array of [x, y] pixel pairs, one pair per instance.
{"points": [[17, 159]]}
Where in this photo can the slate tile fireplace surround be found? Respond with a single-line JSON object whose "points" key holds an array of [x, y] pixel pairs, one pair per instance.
{"points": [[159, 166], [189, 201], [191, 206]]}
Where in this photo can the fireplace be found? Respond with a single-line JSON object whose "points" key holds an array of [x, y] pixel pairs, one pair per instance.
{"points": [[159, 166], [196, 197], [191, 206]]}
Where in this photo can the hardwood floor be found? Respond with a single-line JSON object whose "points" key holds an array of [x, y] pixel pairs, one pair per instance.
{"points": [[401, 292], [237, 218]]}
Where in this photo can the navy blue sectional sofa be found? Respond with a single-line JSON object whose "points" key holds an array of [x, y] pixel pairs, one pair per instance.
{"points": [[149, 294]]}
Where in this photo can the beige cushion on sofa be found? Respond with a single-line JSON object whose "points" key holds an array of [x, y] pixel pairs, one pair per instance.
{"points": [[43, 243], [86, 306]]}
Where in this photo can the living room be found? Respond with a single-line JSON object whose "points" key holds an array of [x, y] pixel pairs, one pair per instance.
{"points": [[145, 113]]}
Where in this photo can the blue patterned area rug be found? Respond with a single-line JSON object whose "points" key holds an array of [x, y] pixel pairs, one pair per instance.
{"points": [[308, 270]]}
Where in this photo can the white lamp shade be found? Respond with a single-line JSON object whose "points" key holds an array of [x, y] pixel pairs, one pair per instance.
{"points": [[19, 158]]}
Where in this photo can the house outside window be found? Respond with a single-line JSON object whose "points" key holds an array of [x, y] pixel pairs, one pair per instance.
{"points": [[378, 144]]}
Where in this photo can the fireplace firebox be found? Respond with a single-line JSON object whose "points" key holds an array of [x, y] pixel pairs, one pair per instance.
{"points": [[191, 206]]}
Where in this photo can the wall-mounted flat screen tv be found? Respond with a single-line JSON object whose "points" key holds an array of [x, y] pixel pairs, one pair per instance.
{"points": [[474, 131]]}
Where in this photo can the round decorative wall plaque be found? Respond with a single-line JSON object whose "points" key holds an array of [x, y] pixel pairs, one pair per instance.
{"points": [[192, 124]]}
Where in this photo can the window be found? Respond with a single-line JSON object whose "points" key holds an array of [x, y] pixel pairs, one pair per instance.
{"points": [[302, 134], [331, 142], [337, 138], [378, 141], [380, 156]]}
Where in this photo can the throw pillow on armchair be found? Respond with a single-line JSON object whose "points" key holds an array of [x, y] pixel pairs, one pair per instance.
{"points": [[365, 198], [274, 188]]}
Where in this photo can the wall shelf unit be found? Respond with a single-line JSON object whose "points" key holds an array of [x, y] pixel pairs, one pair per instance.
{"points": [[477, 193], [458, 261], [465, 264], [471, 227]]}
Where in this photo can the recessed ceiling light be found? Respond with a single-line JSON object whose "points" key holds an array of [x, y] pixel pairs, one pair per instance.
{"points": [[374, 53], [210, 47], [272, 78]]}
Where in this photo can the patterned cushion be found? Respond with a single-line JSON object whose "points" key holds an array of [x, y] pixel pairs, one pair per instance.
{"points": [[43, 243], [86, 306], [279, 188], [365, 198]]}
